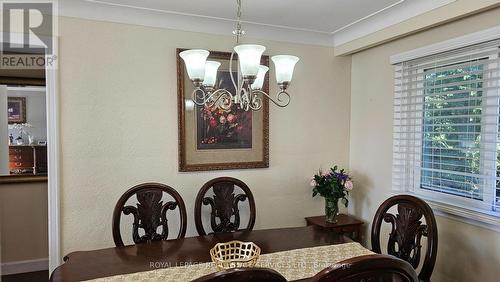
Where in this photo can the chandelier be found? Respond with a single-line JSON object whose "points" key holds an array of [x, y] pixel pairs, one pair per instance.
{"points": [[249, 94]]}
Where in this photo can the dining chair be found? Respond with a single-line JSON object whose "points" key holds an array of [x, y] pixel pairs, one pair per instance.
{"points": [[223, 205], [407, 231], [248, 274], [149, 213], [380, 268]]}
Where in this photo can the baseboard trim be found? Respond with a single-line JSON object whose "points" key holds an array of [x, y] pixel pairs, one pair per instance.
{"points": [[23, 266]]}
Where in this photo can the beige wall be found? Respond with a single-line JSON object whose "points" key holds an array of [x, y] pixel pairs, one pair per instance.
{"points": [[23, 222], [119, 126], [466, 252]]}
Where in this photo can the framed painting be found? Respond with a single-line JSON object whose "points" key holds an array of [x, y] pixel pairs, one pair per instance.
{"points": [[215, 139], [16, 110]]}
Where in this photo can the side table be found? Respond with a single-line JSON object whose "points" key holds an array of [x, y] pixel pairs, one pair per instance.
{"points": [[346, 224]]}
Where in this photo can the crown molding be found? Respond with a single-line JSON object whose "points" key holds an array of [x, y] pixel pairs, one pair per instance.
{"points": [[397, 13], [101, 10], [347, 26], [454, 11]]}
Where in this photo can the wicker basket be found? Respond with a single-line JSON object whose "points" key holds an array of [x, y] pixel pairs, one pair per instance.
{"points": [[234, 254]]}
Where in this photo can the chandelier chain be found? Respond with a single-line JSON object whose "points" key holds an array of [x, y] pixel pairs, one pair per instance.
{"points": [[238, 32]]}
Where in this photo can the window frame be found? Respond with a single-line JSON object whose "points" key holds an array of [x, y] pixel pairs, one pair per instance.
{"points": [[481, 218], [448, 198]]}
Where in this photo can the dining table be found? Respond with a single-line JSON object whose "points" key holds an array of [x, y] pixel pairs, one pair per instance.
{"points": [[87, 265]]}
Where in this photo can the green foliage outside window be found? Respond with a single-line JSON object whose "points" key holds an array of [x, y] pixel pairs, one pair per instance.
{"points": [[452, 131]]}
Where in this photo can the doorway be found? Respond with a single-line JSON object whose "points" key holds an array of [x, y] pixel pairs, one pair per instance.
{"points": [[23, 173], [51, 175]]}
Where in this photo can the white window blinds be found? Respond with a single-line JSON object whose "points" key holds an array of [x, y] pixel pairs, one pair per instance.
{"points": [[446, 127]]}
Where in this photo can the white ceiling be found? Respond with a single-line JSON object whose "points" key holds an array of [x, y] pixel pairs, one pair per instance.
{"points": [[322, 22], [313, 15]]}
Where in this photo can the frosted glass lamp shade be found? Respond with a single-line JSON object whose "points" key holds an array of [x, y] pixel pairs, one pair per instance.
{"points": [[249, 58], [195, 62], [211, 68], [284, 65], [259, 81]]}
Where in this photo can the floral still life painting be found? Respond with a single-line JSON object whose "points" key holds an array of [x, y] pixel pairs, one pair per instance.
{"points": [[224, 129], [214, 138]]}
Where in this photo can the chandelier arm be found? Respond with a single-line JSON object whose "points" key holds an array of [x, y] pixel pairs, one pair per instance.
{"points": [[194, 96], [229, 101], [280, 102], [221, 93], [287, 97], [256, 102], [231, 73], [255, 106]]}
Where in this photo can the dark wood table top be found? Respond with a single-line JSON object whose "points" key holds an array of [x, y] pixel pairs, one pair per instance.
{"points": [[84, 265], [342, 220]]}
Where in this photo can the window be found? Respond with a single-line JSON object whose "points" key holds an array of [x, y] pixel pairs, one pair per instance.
{"points": [[451, 128], [446, 127]]}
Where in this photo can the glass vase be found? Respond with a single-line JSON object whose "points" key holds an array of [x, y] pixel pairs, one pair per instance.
{"points": [[331, 209]]}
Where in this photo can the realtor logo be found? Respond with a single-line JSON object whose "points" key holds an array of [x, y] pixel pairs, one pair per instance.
{"points": [[28, 33]]}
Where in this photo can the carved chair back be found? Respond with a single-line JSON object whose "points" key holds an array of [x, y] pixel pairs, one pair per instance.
{"points": [[225, 213], [407, 231], [149, 213], [253, 274], [376, 268]]}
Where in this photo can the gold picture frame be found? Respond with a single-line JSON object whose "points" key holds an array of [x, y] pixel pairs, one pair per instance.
{"points": [[243, 144]]}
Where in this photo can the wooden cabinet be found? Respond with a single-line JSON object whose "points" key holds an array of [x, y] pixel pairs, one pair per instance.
{"points": [[27, 159]]}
